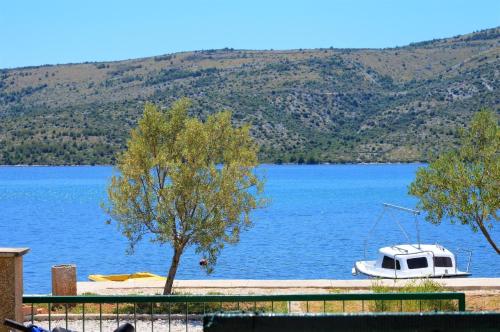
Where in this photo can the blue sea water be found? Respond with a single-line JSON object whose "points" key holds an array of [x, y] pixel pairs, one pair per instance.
{"points": [[314, 227]]}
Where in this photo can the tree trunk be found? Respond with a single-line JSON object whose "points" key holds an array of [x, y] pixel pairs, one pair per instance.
{"points": [[172, 271], [487, 235]]}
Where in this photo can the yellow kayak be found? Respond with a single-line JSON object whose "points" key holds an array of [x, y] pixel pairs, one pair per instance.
{"points": [[126, 277]]}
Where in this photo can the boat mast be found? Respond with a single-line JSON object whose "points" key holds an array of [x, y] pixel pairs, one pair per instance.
{"points": [[414, 212]]}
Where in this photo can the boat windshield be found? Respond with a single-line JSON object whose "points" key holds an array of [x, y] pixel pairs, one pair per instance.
{"points": [[388, 263]]}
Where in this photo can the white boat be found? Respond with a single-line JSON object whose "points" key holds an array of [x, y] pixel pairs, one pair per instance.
{"points": [[411, 261], [405, 261]]}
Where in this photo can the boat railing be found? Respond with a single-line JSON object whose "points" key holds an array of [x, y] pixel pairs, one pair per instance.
{"points": [[468, 259], [412, 254], [402, 208], [400, 249]]}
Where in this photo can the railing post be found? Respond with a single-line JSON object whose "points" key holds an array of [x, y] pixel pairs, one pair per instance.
{"points": [[11, 285], [461, 302]]}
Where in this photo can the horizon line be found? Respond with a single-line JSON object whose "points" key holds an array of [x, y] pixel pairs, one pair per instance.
{"points": [[248, 50]]}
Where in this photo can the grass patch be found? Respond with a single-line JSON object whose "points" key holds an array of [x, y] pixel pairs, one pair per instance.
{"points": [[414, 286]]}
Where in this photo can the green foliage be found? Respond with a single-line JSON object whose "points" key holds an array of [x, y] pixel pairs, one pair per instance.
{"points": [[413, 286], [186, 182], [464, 184]]}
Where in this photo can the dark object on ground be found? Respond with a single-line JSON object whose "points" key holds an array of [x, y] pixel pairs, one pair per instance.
{"points": [[127, 327], [15, 325], [30, 328], [203, 262], [364, 322]]}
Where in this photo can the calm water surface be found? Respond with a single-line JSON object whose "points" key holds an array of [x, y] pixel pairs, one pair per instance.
{"points": [[314, 227]]}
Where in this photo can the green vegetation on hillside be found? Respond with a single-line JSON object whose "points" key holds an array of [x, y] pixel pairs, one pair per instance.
{"points": [[305, 106]]}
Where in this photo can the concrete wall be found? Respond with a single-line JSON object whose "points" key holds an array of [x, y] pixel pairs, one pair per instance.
{"points": [[11, 284]]}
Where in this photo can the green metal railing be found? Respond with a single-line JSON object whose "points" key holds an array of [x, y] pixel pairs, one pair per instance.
{"points": [[191, 308]]}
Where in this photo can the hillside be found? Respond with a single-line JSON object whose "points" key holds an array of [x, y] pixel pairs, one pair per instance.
{"points": [[321, 105]]}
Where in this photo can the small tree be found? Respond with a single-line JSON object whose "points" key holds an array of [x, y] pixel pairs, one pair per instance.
{"points": [[186, 183], [464, 184]]}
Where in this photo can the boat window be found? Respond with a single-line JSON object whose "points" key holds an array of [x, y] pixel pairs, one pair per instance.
{"points": [[417, 263], [443, 262], [388, 263]]}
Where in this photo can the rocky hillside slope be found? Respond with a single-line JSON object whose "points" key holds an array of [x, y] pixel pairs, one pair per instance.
{"points": [[320, 105]]}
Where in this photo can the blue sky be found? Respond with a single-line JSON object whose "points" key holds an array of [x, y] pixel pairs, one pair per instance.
{"points": [[62, 31]]}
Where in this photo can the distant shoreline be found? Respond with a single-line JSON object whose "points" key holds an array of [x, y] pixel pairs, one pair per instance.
{"points": [[263, 164]]}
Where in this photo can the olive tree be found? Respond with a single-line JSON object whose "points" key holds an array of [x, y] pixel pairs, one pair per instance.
{"points": [[186, 183], [464, 184]]}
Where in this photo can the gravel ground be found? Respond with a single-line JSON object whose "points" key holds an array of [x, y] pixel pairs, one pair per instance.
{"points": [[476, 300], [110, 325]]}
